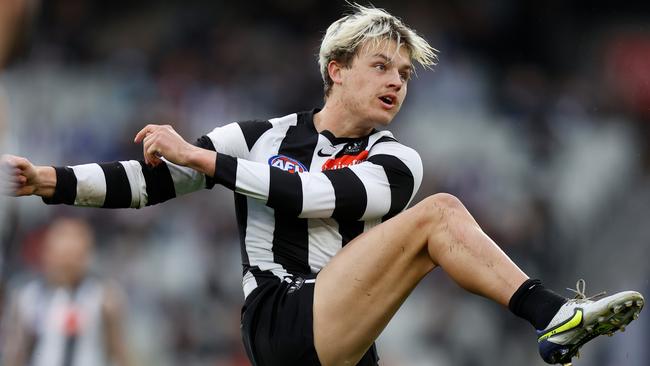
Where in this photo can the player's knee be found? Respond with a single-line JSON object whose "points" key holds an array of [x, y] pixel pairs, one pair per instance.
{"points": [[439, 209]]}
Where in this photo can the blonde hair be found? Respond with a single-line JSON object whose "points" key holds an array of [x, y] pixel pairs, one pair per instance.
{"points": [[343, 38]]}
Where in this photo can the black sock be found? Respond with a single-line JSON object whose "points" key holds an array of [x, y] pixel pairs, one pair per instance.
{"points": [[535, 303]]}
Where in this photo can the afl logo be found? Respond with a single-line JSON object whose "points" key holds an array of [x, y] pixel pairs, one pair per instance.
{"points": [[287, 164]]}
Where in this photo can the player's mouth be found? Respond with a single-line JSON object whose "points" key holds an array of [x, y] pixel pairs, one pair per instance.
{"points": [[388, 101]]}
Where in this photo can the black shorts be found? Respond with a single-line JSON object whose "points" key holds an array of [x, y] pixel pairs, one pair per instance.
{"points": [[277, 324]]}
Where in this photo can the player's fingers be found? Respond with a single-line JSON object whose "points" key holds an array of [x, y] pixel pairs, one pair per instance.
{"points": [[142, 133], [155, 161], [152, 156], [8, 171], [151, 151], [12, 161], [24, 191], [15, 190], [16, 180], [148, 129], [15, 177], [12, 176]]}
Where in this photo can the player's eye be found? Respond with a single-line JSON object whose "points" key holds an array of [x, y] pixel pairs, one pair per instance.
{"points": [[380, 67]]}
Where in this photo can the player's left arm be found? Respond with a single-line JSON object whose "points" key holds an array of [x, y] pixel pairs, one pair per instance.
{"points": [[17, 335], [380, 187]]}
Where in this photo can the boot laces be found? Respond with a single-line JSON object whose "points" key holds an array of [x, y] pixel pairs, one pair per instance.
{"points": [[581, 293]]}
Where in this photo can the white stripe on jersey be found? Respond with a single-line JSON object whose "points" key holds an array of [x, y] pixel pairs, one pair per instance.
{"points": [[229, 139], [91, 185], [252, 178], [52, 344], [317, 193], [250, 283], [259, 228], [324, 242], [133, 171], [379, 189], [185, 179]]}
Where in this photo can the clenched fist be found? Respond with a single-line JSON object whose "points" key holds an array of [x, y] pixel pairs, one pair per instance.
{"points": [[22, 178]]}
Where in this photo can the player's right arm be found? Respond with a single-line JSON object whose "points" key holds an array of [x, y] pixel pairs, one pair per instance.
{"points": [[121, 184]]}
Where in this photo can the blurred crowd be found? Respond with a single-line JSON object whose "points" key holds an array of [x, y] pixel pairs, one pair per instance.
{"points": [[537, 117]]}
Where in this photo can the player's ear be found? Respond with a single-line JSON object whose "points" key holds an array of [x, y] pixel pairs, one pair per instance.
{"points": [[335, 69]]}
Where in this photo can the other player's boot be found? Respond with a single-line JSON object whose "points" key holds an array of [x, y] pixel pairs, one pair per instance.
{"points": [[582, 319]]}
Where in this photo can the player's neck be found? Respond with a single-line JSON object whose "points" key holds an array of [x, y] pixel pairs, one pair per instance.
{"points": [[339, 121]]}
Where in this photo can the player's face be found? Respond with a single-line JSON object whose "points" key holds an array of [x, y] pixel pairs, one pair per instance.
{"points": [[374, 85], [66, 254]]}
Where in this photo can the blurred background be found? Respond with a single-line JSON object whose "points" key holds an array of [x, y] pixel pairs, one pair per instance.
{"points": [[537, 117]]}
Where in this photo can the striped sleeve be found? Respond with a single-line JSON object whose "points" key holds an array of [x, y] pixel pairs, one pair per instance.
{"points": [[134, 184], [127, 184], [378, 188]]}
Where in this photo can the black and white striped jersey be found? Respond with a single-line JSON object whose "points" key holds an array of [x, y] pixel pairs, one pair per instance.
{"points": [[300, 195], [68, 326]]}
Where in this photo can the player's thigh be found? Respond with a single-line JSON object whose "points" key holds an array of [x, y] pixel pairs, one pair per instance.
{"points": [[362, 287]]}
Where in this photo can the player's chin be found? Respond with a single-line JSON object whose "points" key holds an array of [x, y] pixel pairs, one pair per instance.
{"points": [[385, 117]]}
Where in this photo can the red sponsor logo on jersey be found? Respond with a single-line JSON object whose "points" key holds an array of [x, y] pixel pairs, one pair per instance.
{"points": [[287, 164], [71, 322], [345, 161]]}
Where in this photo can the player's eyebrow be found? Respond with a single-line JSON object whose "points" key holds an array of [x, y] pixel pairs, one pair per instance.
{"points": [[389, 60]]}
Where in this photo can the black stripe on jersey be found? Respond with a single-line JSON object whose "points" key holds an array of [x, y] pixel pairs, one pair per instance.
{"points": [[225, 171], [241, 213], [384, 139], [400, 179], [350, 193], [349, 230], [69, 350], [291, 235], [345, 140], [118, 189], [160, 185], [252, 131], [259, 274], [66, 187], [285, 192], [205, 142], [291, 243], [353, 146]]}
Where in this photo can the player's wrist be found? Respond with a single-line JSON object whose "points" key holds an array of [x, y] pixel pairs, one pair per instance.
{"points": [[202, 160], [45, 182], [189, 157]]}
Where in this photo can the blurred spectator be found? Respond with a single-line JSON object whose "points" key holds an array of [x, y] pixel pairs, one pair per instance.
{"points": [[14, 17], [67, 317]]}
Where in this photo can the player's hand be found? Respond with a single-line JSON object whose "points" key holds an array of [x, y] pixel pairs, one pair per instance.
{"points": [[19, 176], [162, 141]]}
